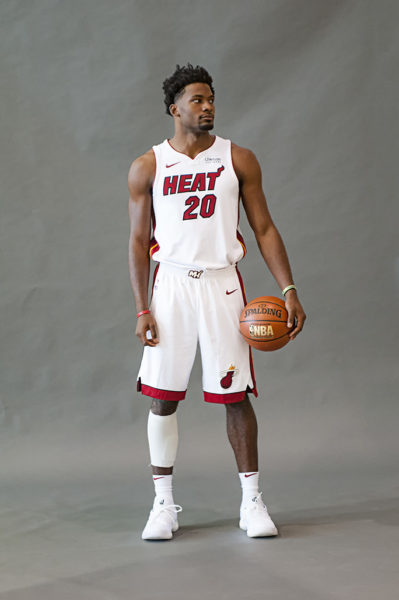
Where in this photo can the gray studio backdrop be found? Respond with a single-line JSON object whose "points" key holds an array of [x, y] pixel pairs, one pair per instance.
{"points": [[309, 86]]}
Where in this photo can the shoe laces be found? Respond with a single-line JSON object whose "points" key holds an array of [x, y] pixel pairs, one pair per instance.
{"points": [[257, 503], [176, 508]]}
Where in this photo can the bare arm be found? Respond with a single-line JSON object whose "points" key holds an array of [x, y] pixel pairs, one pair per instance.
{"points": [[267, 235], [141, 175]]}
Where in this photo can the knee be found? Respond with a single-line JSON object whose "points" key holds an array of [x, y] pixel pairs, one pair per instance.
{"points": [[239, 407], [163, 407], [163, 439]]}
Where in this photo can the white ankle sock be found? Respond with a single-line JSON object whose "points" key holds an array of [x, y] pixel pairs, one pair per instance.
{"points": [[163, 489], [249, 485]]}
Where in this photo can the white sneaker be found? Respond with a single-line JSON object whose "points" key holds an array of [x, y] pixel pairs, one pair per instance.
{"points": [[255, 520], [162, 522]]}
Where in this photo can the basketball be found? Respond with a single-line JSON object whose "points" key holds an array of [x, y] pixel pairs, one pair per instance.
{"points": [[263, 323]]}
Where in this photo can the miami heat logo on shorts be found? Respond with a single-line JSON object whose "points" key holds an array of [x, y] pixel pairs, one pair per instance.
{"points": [[227, 377], [194, 274]]}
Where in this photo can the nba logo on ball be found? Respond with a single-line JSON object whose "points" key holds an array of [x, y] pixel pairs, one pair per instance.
{"points": [[257, 331], [263, 323]]}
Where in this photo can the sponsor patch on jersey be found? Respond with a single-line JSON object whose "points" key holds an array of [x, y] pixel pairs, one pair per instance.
{"points": [[213, 161]]}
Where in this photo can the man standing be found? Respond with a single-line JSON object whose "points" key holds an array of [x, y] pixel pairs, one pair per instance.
{"points": [[184, 212]]}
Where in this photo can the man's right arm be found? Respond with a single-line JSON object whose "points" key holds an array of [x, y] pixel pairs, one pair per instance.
{"points": [[140, 180]]}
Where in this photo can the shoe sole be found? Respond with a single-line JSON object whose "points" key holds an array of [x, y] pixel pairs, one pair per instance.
{"points": [[270, 533], [152, 537], [149, 537]]}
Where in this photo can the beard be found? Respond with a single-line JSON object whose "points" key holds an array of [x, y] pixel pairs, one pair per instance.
{"points": [[205, 126]]}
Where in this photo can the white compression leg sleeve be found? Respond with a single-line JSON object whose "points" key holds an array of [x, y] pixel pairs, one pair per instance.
{"points": [[162, 439]]}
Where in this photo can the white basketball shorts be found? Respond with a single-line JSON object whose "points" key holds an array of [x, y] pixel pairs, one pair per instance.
{"points": [[192, 306]]}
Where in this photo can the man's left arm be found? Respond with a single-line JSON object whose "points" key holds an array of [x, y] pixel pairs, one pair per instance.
{"points": [[267, 236]]}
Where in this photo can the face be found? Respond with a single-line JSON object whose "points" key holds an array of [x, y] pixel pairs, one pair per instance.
{"points": [[195, 107]]}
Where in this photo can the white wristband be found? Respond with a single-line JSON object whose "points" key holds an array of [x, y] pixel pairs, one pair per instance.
{"points": [[289, 287]]}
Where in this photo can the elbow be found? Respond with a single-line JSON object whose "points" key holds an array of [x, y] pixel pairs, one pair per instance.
{"points": [[262, 232]]}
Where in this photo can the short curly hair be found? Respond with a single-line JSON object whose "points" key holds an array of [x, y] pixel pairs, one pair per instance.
{"points": [[174, 85]]}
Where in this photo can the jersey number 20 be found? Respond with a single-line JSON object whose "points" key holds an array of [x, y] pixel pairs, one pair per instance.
{"points": [[207, 207]]}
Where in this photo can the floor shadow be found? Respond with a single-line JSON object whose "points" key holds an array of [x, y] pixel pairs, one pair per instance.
{"points": [[384, 511], [298, 523]]}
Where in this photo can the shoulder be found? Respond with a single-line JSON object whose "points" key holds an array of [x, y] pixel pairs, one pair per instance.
{"points": [[245, 162], [142, 170]]}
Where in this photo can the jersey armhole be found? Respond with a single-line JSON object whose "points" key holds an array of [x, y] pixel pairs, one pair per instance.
{"points": [[155, 149], [230, 154]]}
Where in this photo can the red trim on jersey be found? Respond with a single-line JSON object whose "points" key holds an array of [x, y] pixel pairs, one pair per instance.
{"points": [[224, 398], [251, 363], [147, 390], [154, 246], [241, 240], [178, 151]]}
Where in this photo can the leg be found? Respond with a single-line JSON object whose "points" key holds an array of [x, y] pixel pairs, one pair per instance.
{"points": [[163, 439], [242, 431], [163, 408], [163, 376]]}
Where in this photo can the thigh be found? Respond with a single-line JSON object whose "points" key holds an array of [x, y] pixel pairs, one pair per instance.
{"points": [[166, 368], [226, 357]]}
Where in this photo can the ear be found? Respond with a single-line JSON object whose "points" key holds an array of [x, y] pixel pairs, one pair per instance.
{"points": [[174, 111]]}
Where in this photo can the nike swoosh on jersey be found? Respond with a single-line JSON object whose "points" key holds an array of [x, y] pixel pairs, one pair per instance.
{"points": [[173, 164], [232, 291]]}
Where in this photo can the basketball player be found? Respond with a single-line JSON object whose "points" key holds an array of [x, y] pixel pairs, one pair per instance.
{"points": [[184, 212]]}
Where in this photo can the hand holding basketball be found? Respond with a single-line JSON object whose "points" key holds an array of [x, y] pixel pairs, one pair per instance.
{"points": [[263, 323]]}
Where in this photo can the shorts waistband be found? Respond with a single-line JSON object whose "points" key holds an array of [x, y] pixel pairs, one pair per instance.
{"points": [[195, 272]]}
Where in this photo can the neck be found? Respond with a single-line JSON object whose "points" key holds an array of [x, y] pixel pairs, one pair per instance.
{"points": [[191, 143]]}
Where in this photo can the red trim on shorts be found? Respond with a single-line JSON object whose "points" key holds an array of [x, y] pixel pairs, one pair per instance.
{"points": [[224, 398], [254, 390], [241, 284], [147, 390]]}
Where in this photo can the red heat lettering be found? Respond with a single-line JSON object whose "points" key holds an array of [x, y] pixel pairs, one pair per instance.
{"points": [[199, 184], [185, 183], [185, 180], [212, 177], [170, 185]]}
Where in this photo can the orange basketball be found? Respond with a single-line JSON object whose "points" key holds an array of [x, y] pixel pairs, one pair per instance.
{"points": [[263, 323]]}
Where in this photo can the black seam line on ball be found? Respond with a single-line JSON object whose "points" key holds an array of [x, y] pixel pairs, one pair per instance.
{"points": [[263, 339], [253, 321]]}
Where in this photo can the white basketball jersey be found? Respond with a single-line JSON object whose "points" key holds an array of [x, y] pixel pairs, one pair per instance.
{"points": [[196, 208]]}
